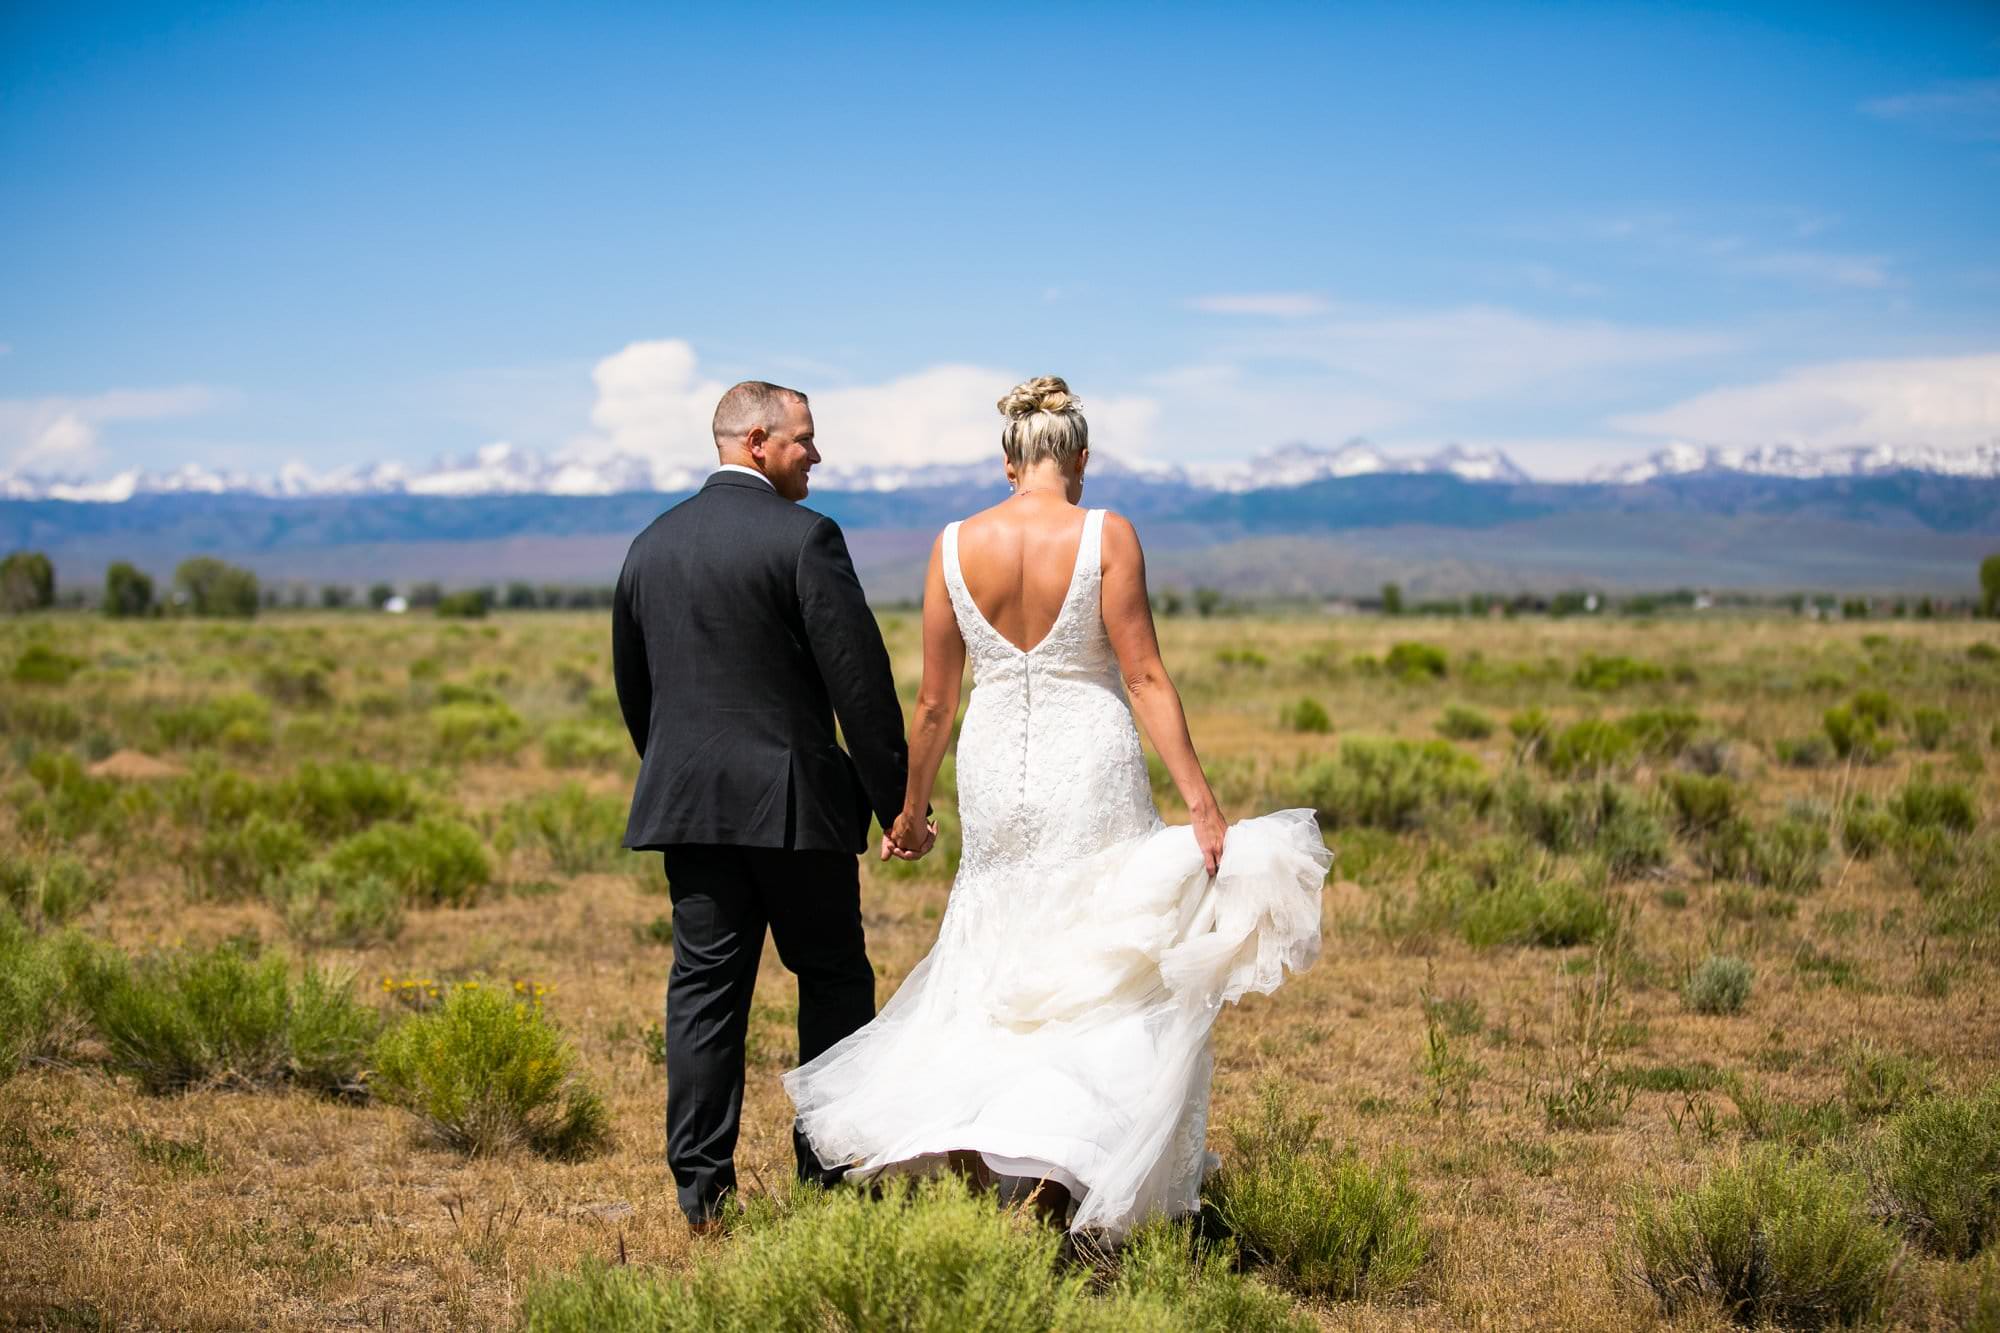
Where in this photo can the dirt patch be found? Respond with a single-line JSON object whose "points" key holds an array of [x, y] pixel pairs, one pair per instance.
{"points": [[133, 766]]}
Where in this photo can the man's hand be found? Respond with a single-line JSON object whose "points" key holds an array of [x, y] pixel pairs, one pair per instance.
{"points": [[909, 838]]}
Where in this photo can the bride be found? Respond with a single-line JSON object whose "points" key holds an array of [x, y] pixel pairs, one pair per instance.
{"points": [[1059, 1030]]}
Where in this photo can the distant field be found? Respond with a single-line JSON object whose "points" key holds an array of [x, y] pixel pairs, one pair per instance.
{"points": [[1617, 905]]}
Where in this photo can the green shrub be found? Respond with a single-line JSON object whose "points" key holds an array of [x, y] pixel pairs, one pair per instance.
{"points": [[476, 731], [297, 684], [1307, 715], [1608, 819], [578, 830], [223, 1017], [486, 1072], [435, 862], [1662, 732], [1768, 1237], [1330, 1225], [236, 858], [40, 664], [1930, 727], [1392, 784], [1876, 707], [204, 721], [1720, 985], [1936, 1169], [1544, 911], [41, 718], [47, 893], [1530, 727], [1876, 1082], [928, 1257], [333, 800], [1968, 1295], [40, 1019], [1699, 803], [1789, 854], [1924, 804], [1166, 1280], [63, 804], [1803, 751], [583, 745], [1855, 736], [1415, 661], [1866, 829], [321, 906], [1615, 673], [1464, 724], [1588, 747], [1242, 657]]}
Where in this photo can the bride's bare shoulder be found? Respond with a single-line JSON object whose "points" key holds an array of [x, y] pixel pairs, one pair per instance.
{"points": [[981, 518]]}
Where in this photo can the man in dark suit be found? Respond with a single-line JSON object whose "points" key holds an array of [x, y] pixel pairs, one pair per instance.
{"points": [[739, 633]]}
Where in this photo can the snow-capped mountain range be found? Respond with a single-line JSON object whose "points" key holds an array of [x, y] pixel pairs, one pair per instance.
{"points": [[506, 469], [1783, 460]]}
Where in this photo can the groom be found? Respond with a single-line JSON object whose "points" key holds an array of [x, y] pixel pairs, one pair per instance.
{"points": [[738, 634]]}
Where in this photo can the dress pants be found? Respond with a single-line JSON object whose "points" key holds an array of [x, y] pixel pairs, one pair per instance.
{"points": [[724, 898]]}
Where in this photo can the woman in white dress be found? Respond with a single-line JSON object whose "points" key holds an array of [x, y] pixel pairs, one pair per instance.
{"points": [[1059, 1029]]}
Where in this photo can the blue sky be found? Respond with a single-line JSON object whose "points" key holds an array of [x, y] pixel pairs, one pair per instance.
{"points": [[245, 236]]}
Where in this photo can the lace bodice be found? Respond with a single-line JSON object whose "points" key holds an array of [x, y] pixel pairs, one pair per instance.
{"points": [[1049, 763]]}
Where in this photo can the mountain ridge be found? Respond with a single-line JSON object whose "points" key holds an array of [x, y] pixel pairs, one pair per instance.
{"points": [[506, 469]]}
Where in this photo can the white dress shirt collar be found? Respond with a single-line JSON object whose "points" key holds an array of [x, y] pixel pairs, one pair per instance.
{"points": [[746, 471]]}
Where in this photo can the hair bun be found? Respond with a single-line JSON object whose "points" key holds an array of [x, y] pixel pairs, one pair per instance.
{"points": [[1047, 393]]}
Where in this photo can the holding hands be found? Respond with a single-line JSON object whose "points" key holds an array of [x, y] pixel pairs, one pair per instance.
{"points": [[909, 837]]}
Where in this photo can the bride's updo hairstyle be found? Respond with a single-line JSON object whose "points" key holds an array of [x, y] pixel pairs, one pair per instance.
{"points": [[1044, 420]]}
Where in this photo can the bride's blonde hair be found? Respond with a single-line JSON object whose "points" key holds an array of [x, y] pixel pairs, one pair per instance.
{"points": [[1044, 420]]}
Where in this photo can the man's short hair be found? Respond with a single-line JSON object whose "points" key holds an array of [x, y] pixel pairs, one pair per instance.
{"points": [[751, 404]]}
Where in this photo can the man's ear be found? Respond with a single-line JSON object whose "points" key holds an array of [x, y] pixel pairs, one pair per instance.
{"points": [[754, 440]]}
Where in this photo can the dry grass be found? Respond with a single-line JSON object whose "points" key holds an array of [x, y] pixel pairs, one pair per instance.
{"points": [[220, 1209]]}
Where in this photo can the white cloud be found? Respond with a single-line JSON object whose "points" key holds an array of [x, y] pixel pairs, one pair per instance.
{"points": [[1275, 305], [653, 408], [61, 433], [1967, 111], [1951, 402], [947, 414]]}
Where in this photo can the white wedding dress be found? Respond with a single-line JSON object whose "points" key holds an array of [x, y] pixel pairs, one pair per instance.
{"points": [[1060, 1025]]}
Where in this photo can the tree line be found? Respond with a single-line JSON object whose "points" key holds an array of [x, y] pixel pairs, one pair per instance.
{"points": [[206, 586]]}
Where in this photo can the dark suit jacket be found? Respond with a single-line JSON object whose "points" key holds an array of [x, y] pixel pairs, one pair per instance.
{"points": [[738, 633]]}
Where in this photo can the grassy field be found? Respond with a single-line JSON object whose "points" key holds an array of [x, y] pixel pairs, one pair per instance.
{"points": [[1657, 991]]}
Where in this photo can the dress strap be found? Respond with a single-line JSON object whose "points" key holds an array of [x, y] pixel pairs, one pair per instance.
{"points": [[1092, 549], [953, 579]]}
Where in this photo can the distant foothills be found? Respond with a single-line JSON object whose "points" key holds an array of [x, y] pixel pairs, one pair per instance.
{"points": [[1299, 523]]}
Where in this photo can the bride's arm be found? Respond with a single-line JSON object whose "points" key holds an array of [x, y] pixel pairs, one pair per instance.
{"points": [[1128, 619], [937, 704]]}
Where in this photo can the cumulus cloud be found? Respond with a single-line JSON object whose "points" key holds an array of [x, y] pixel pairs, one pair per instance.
{"points": [[60, 434], [1950, 402], [1276, 305], [654, 404]]}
